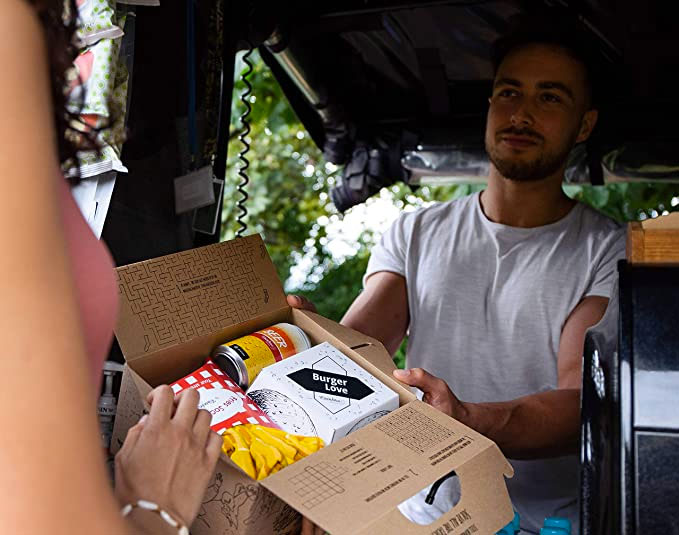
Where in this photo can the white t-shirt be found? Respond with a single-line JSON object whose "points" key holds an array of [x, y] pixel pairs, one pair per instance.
{"points": [[487, 304]]}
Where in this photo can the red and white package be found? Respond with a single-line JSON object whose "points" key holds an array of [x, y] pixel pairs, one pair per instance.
{"points": [[225, 400]]}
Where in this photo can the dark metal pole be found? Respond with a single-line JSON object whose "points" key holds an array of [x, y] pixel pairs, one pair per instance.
{"points": [[226, 93], [229, 42]]}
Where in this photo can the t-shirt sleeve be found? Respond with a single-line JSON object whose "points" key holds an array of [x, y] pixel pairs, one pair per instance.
{"points": [[390, 253], [606, 270]]}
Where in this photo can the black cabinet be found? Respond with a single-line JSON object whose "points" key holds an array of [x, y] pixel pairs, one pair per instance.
{"points": [[630, 409]]}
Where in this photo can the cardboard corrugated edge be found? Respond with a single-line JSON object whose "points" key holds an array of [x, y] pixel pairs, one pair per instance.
{"points": [[129, 410]]}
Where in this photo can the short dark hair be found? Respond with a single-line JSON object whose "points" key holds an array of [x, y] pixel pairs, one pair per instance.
{"points": [[59, 31], [563, 32]]}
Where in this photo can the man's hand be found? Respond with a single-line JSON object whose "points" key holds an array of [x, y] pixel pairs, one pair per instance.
{"points": [[298, 301], [540, 425], [436, 391]]}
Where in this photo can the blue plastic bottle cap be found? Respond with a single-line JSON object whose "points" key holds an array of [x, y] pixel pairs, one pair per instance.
{"points": [[558, 522], [512, 528], [554, 531], [516, 523]]}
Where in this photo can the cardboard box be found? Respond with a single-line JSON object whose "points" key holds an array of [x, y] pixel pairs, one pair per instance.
{"points": [[176, 308]]}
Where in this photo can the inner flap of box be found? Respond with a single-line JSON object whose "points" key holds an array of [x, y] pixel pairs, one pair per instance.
{"points": [[376, 468], [194, 294]]}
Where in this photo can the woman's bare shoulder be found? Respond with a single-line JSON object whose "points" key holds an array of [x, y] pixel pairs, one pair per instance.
{"points": [[23, 54], [19, 24], [25, 93]]}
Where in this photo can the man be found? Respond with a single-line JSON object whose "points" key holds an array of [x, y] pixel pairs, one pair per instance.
{"points": [[497, 290]]}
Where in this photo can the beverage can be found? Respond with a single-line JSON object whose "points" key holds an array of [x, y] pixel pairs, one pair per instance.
{"points": [[242, 359]]}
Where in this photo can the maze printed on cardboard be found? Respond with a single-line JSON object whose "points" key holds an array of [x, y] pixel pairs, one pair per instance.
{"points": [[190, 294]]}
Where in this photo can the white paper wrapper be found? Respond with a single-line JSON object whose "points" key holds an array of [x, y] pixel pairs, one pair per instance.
{"points": [[93, 164], [96, 21]]}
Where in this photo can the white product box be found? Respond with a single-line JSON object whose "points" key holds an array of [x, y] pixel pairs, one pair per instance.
{"points": [[321, 392]]}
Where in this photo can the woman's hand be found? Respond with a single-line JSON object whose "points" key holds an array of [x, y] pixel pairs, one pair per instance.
{"points": [[169, 456]]}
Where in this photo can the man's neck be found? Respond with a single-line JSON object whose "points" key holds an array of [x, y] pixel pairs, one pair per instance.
{"points": [[525, 204]]}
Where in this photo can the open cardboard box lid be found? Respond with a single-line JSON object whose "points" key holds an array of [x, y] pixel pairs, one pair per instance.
{"points": [[200, 293], [173, 299], [355, 485]]}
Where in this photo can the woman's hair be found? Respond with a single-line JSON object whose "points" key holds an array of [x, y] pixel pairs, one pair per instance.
{"points": [[59, 19]]}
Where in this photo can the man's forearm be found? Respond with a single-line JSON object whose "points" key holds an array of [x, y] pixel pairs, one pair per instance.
{"points": [[536, 426], [381, 310]]}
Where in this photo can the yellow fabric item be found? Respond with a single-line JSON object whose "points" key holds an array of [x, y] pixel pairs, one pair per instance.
{"points": [[261, 451]]}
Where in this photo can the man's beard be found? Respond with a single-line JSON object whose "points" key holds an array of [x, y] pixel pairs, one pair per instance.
{"points": [[539, 168]]}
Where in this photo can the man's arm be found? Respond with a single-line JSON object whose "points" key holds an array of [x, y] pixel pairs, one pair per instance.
{"points": [[540, 425], [381, 310]]}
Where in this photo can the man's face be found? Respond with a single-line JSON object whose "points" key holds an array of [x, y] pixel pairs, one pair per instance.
{"points": [[538, 111]]}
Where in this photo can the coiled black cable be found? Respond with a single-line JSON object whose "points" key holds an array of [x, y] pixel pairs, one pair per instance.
{"points": [[242, 137]]}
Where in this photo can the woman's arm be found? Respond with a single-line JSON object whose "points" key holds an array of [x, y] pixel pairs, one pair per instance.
{"points": [[52, 476], [51, 467]]}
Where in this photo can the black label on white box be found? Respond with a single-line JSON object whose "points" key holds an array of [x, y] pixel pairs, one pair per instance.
{"points": [[331, 383]]}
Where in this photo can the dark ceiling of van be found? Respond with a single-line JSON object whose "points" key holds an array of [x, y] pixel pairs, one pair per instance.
{"points": [[398, 63]]}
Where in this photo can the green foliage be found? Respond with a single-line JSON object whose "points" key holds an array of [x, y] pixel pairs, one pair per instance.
{"points": [[339, 287], [288, 178], [628, 201]]}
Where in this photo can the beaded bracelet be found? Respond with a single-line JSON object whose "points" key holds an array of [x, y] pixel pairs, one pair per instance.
{"points": [[155, 508]]}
